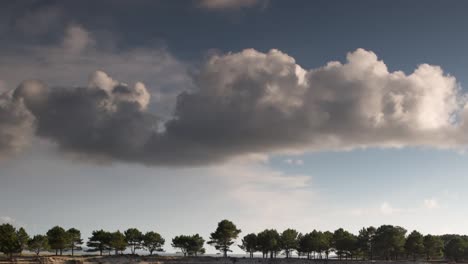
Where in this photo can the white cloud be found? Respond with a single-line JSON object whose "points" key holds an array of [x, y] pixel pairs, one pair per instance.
{"points": [[431, 203], [269, 102]]}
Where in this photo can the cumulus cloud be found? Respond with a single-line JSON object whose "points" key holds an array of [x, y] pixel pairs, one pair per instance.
{"points": [[230, 4], [253, 102], [16, 125], [80, 52], [106, 118]]}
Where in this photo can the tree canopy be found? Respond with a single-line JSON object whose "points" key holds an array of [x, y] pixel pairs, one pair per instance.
{"points": [[11, 240], [387, 242], [189, 245], [58, 239], [153, 241], [118, 242], [224, 236], [100, 241], [134, 239], [249, 244], [38, 243]]}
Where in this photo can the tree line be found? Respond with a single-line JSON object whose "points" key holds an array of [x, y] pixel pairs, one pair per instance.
{"points": [[386, 242]]}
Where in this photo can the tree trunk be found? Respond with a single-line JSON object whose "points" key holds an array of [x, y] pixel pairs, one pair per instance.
{"points": [[73, 248]]}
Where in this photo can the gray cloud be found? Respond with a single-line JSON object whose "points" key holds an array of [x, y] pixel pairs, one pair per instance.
{"points": [[230, 4], [16, 125], [70, 60], [254, 102]]}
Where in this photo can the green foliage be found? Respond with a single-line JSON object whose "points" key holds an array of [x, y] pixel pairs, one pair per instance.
{"points": [[249, 244], [74, 239], [433, 246], [153, 241], [456, 249], [58, 239], [99, 241], [189, 245], [289, 241], [365, 241], [38, 243], [269, 241], [10, 241], [344, 242], [306, 244], [118, 242], [224, 236], [328, 240], [23, 238], [414, 245], [134, 239], [389, 241]]}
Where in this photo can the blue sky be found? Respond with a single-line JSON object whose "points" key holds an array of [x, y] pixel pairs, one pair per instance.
{"points": [[316, 163]]}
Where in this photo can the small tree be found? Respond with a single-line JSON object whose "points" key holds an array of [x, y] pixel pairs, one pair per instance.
{"points": [[118, 242], [289, 241], [74, 238], [189, 245], [389, 241], [196, 243], [433, 246], [414, 244], [23, 239], [153, 241], [58, 239], [328, 241], [99, 241], [249, 244], [345, 242], [305, 245], [134, 239], [269, 241], [456, 249], [9, 240], [224, 236], [365, 241], [38, 243]]}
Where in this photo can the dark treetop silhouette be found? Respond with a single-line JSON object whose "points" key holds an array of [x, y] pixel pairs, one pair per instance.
{"points": [[386, 242]]}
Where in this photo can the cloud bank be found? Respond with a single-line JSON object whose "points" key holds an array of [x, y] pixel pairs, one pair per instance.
{"points": [[243, 103]]}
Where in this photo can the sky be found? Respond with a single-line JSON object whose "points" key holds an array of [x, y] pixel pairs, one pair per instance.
{"points": [[170, 116]]}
